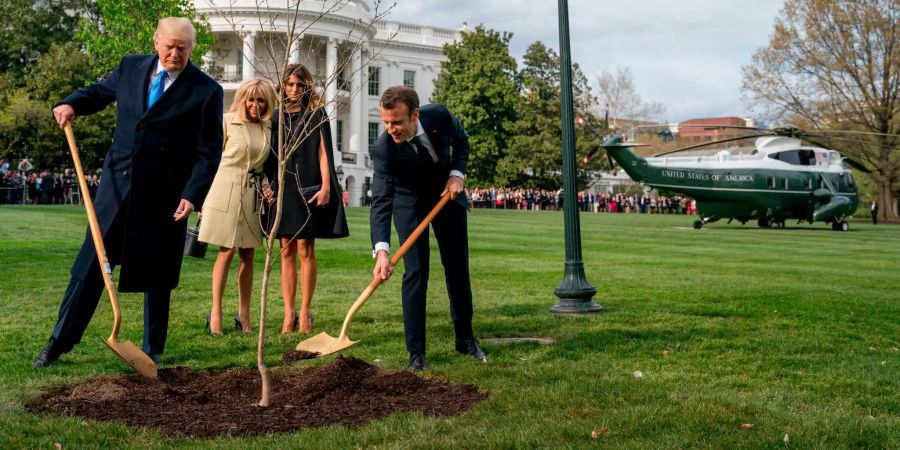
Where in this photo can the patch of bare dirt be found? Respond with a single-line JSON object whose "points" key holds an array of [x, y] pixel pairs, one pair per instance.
{"points": [[348, 391]]}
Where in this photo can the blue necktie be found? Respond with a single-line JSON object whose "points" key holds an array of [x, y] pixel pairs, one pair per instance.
{"points": [[157, 88]]}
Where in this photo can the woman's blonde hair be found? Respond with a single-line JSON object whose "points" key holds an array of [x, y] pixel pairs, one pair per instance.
{"points": [[309, 98], [250, 89]]}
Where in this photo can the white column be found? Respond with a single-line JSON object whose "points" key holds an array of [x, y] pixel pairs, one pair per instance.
{"points": [[294, 55], [249, 71], [363, 118], [356, 86], [331, 92]]}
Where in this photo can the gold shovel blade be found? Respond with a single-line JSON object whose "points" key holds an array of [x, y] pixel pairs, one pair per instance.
{"points": [[324, 344], [133, 356]]}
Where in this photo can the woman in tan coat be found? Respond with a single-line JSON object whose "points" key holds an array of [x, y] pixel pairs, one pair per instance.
{"points": [[231, 210]]}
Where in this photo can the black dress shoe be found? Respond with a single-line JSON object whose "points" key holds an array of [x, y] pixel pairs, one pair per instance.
{"points": [[157, 359], [470, 347], [417, 362], [48, 355]]}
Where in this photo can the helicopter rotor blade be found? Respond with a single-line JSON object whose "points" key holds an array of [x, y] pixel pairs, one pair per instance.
{"points": [[715, 126], [856, 165], [835, 138], [864, 133], [707, 144]]}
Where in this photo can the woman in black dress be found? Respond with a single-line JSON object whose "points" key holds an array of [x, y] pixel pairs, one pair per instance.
{"points": [[311, 201]]}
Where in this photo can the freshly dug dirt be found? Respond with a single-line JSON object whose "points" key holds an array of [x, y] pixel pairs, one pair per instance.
{"points": [[296, 355], [348, 391]]}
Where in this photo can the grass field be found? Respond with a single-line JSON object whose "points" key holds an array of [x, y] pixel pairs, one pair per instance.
{"points": [[795, 331]]}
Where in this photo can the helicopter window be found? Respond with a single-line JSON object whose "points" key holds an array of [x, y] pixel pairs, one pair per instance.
{"points": [[807, 157], [809, 183], [821, 183], [772, 182], [848, 179], [784, 183], [796, 157]]}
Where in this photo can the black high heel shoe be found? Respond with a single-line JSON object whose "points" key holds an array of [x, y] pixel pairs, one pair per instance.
{"points": [[296, 325], [208, 327], [237, 323]]}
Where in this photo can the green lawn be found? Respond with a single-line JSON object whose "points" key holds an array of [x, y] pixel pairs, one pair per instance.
{"points": [[795, 331]]}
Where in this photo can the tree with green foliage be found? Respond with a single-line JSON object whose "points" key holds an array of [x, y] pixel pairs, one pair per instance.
{"points": [[534, 158], [126, 27], [29, 28], [478, 83], [27, 127]]}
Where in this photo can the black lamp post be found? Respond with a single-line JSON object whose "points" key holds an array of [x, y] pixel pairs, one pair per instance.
{"points": [[575, 292]]}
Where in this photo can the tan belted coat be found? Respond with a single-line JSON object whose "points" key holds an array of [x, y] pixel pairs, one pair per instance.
{"points": [[231, 210]]}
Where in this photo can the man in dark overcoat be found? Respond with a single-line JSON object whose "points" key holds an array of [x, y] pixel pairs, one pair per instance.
{"points": [[414, 168], [166, 149]]}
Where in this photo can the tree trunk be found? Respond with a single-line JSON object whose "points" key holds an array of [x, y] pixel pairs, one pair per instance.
{"points": [[887, 202]]}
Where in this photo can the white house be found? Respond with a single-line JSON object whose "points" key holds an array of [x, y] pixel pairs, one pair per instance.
{"points": [[344, 50]]}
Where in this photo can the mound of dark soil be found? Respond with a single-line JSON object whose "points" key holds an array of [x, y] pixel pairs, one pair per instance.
{"points": [[348, 391]]}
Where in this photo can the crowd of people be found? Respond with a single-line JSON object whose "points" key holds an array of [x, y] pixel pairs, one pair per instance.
{"points": [[26, 186], [548, 200]]}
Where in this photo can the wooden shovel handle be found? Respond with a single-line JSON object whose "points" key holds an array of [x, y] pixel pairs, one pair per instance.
{"points": [[376, 279], [96, 235]]}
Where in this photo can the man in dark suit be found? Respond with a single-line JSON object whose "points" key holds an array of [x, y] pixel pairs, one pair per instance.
{"points": [[413, 169], [165, 152]]}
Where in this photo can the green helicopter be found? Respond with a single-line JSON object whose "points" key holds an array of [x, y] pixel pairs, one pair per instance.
{"points": [[778, 178]]}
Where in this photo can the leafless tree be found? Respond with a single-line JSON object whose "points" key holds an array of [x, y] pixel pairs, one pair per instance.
{"points": [[284, 24], [618, 95], [836, 64]]}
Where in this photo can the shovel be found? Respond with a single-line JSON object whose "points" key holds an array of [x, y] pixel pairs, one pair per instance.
{"points": [[322, 343], [125, 350]]}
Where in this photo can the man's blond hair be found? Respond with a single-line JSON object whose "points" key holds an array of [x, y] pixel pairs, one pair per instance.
{"points": [[177, 28]]}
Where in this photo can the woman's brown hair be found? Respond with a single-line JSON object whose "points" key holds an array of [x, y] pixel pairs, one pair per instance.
{"points": [[310, 97]]}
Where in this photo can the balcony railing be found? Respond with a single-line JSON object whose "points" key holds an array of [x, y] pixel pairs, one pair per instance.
{"points": [[228, 76]]}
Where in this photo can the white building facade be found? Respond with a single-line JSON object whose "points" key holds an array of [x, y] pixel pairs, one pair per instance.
{"points": [[353, 59]]}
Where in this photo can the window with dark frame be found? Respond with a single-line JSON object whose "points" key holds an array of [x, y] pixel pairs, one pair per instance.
{"points": [[340, 135], [374, 81], [409, 78], [373, 135]]}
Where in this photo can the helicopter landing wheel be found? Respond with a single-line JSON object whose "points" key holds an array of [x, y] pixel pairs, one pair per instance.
{"points": [[840, 225], [764, 222], [698, 224]]}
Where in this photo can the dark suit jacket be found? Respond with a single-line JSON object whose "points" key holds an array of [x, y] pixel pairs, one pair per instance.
{"points": [[158, 156], [399, 181]]}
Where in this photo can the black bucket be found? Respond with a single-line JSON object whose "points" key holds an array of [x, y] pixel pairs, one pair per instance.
{"points": [[192, 245]]}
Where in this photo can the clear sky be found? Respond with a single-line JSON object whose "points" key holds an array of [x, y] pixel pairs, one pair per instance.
{"points": [[686, 54]]}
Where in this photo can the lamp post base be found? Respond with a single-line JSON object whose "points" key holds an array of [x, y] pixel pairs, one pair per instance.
{"points": [[575, 293]]}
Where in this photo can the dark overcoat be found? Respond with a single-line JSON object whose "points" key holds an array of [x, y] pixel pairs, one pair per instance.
{"points": [[158, 157]]}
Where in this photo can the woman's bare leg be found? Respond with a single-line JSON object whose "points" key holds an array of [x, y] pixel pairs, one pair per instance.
{"points": [[219, 279], [288, 283], [308, 269], [245, 286]]}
